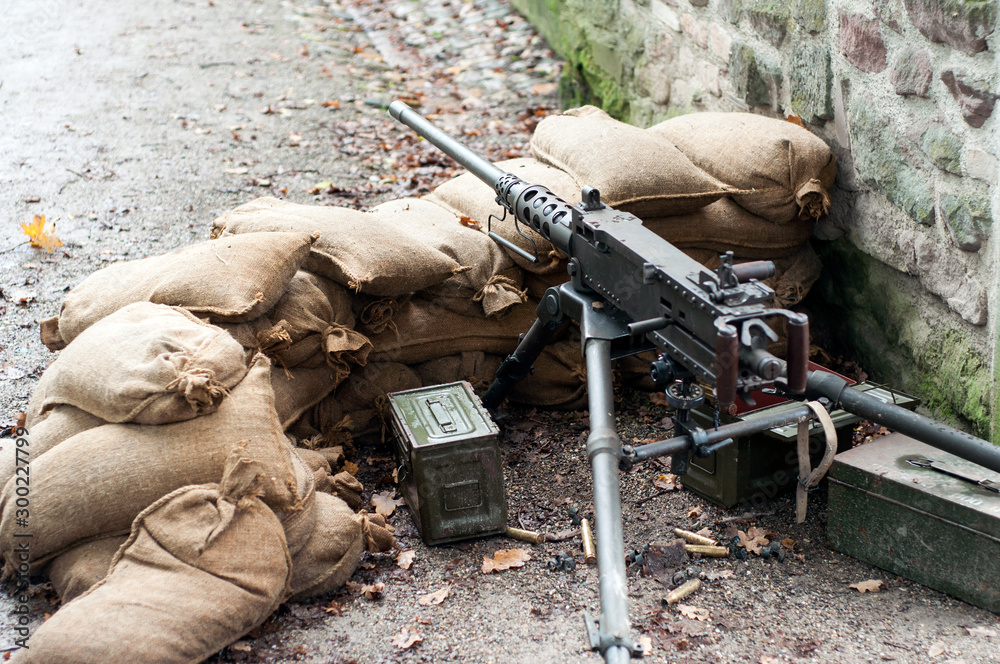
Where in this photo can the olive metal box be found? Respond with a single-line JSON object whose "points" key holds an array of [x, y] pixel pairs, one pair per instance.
{"points": [[755, 469], [450, 470], [918, 522]]}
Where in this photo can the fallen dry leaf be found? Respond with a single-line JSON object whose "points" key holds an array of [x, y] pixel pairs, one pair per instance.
{"points": [[753, 540], [874, 585], [936, 649], [40, 237], [469, 222], [666, 482], [505, 559], [405, 639], [693, 612], [716, 574], [373, 591], [981, 631], [694, 512], [434, 598], [351, 467], [646, 643], [788, 543], [241, 646], [334, 608], [405, 559], [385, 503]]}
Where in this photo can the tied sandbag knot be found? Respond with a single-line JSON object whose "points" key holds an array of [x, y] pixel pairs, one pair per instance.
{"points": [[199, 388], [276, 339], [343, 348], [813, 200], [348, 488], [377, 316], [377, 533], [499, 294]]}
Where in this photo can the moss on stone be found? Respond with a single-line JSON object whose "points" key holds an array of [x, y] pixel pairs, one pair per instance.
{"points": [[865, 306], [810, 14], [943, 148], [966, 212]]}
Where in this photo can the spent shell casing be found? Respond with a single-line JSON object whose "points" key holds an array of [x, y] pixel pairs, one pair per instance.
{"points": [[708, 551], [694, 538], [587, 535], [524, 535], [679, 593]]}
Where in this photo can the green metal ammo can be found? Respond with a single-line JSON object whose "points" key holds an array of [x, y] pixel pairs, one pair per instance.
{"points": [[450, 470], [755, 469], [917, 521]]}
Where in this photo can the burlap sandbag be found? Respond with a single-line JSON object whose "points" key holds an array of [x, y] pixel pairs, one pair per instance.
{"points": [[725, 226], [443, 230], [635, 170], [299, 389], [424, 331], [362, 401], [334, 550], [558, 381], [475, 367], [785, 172], [230, 279], [74, 572], [468, 196], [145, 363], [315, 316], [59, 424], [374, 314], [202, 566], [95, 483], [362, 251], [496, 298]]}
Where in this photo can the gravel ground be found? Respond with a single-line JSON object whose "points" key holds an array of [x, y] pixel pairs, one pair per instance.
{"points": [[134, 125]]}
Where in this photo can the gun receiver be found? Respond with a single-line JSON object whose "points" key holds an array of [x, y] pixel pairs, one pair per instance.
{"points": [[631, 291], [711, 325]]}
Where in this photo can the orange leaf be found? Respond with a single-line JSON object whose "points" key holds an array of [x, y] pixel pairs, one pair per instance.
{"points": [[505, 559], [434, 598], [796, 120], [666, 482], [469, 222], [39, 236], [351, 467]]}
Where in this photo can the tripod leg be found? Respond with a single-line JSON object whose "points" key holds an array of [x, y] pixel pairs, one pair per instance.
{"points": [[518, 364], [604, 450]]}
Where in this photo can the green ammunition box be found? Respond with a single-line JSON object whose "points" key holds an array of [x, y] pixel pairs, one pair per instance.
{"points": [[918, 522], [754, 469], [450, 470]]}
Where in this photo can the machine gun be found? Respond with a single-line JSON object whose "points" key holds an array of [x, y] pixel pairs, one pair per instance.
{"points": [[632, 291]]}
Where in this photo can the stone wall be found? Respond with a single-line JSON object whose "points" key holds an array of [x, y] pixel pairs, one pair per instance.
{"points": [[904, 92]]}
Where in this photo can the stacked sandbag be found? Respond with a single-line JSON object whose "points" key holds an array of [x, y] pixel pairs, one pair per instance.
{"points": [[635, 170], [365, 252], [484, 282], [202, 566], [96, 482], [144, 363], [227, 280], [784, 173]]}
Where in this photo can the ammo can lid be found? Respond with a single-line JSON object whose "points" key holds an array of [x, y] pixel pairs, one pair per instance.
{"points": [[441, 414], [882, 470]]}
